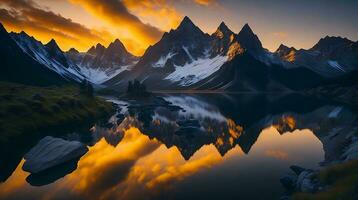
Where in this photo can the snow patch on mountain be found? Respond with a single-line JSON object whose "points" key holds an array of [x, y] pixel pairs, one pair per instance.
{"points": [[98, 76], [197, 70], [188, 53], [163, 60], [335, 112], [38, 52], [195, 108], [336, 65]]}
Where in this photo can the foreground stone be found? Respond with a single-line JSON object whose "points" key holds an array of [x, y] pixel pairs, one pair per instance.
{"points": [[50, 152], [301, 181], [340, 146]]}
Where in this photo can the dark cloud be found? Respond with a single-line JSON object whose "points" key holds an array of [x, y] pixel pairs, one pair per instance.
{"points": [[29, 16], [12, 18]]}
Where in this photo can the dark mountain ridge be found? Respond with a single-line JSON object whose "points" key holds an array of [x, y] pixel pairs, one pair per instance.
{"points": [[187, 58], [16, 66]]}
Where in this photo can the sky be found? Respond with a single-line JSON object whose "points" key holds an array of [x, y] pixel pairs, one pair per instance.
{"points": [[140, 23]]}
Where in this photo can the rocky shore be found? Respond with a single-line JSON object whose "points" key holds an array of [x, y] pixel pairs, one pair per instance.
{"points": [[337, 177]]}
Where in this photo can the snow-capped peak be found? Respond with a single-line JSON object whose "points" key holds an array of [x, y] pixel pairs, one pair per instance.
{"points": [[50, 55]]}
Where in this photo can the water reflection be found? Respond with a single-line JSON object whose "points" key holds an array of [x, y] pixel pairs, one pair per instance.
{"points": [[190, 146], [51, 175]]}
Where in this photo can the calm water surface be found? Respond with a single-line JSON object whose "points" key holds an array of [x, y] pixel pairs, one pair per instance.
{"points": [[184, 146]]}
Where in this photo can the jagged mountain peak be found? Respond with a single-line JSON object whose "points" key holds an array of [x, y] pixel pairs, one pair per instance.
{"points": [[92, 49], [223, 27], [284, 48], [2, 29], [96, 49], [19, 66], [286, 53], [52, 44], [330, 42], [188, 26], [246, 29], [23, 33], [117, 44], [186, 22], [117, 41], [73, 51], [249, 40], [100, 46], [223, 31]]}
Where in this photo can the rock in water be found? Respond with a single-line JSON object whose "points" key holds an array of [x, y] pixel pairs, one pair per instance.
{"points": [[289, 182], [50, 152], [297, 169], [305, 183]]}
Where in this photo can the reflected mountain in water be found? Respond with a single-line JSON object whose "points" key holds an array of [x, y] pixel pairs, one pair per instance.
{"points": [[51, 175], [189, 122], [12, 152]]}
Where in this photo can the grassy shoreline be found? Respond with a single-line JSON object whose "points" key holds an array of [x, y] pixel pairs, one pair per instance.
{"points": [[27, 109], [341, 183]]}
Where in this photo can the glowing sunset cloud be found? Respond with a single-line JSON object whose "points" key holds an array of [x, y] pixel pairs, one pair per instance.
{"points": [[138, 24], [139, 166]]}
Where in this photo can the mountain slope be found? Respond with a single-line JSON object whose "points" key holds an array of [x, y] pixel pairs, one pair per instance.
{"points": [[246, 73], [99, 63], [187, 58], [330, 57], [183, 57], [49, 55], [17, 66]]}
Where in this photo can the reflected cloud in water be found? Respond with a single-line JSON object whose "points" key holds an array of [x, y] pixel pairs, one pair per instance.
{"points": [[193, 142]]}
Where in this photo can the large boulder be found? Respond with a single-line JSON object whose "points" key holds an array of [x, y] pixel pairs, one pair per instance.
{"points": [[297, 169], [50, 152], [289, 182], [352, 152], [305, 182]]}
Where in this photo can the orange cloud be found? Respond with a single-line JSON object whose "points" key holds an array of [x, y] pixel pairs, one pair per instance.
{"points": [[26, 15], [280, 34], [128, 26], [281, 155], [131, 21], [161, 12], [205, 2]]}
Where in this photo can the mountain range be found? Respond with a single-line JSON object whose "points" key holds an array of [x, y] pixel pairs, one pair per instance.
{"points": [[184, 58]]}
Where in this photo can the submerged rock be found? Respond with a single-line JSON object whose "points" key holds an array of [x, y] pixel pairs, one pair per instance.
{"points": [[352, 152], [52, 174], [189, 123], [289, 182], [305, 182], [352, 156], [120, 117], [50, 152], [297, 169]]}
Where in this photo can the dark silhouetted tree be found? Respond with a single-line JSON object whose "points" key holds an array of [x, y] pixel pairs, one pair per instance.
{"points": [[130, 87], [86, 88], [137, 89], [89, 89]]}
